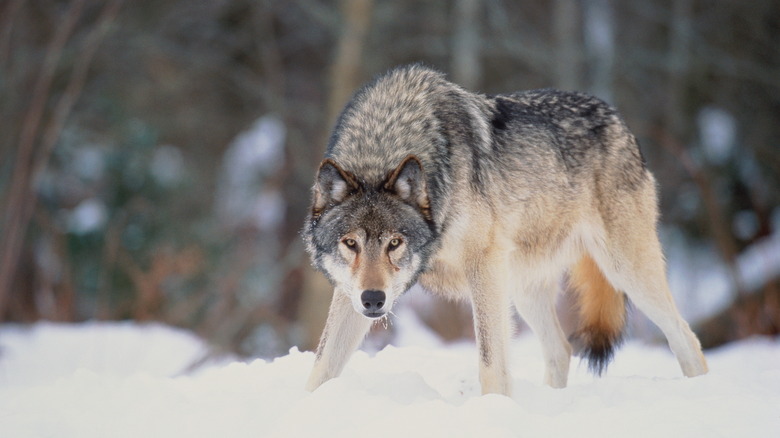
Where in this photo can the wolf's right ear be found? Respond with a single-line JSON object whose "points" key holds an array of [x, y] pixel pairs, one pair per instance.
{"points": [[332, 186]]}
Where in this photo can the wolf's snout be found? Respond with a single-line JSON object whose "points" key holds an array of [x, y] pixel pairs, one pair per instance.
{"points": [[373, 302]]}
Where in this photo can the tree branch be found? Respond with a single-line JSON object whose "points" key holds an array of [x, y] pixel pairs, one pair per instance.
{"points": [[22, 198]]}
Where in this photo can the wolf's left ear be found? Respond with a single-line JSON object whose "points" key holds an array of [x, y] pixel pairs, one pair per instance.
{"points": [[408, 182]]}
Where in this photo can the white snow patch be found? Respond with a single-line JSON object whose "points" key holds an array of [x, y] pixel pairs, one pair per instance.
{"points": [[123, 380], [47, 352], [718, 132], [90, 215], [251, 157]]}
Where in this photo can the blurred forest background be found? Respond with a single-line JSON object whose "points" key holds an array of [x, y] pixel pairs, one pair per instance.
{"points": [[156, 156]]}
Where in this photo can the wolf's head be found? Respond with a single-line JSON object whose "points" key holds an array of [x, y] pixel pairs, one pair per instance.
{"points": [[371, 240]]}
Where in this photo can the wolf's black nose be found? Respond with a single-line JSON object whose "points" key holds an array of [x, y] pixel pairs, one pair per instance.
{"points": [[373, 300]]}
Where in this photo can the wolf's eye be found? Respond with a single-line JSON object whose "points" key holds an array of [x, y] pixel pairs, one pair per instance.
{"points": [[394, 243], [351, 244]]}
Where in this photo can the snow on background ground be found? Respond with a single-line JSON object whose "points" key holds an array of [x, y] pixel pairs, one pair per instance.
{"points": [[127, 380]]}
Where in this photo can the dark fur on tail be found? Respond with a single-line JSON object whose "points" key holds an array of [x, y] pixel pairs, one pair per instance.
{"points": [[597, 348], [602, 315]]}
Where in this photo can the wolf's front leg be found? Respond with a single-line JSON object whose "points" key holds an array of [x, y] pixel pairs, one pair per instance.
{"points": [[490, 304], [344, 330]]}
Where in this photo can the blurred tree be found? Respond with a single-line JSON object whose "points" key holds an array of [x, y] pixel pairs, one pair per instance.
{"points": [[568, 37], [119, 124], [37, 136], [466, 40], [346, 75]]}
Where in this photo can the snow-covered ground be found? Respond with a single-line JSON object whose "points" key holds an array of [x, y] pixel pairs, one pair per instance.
{"points": [[127, 380]]}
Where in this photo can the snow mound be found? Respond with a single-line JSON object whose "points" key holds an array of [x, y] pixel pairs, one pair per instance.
{"points": [[125, 380], [45, 352]]}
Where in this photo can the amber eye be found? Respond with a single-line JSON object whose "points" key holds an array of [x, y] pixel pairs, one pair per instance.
{"points": [[350, 243], [394, 243]]}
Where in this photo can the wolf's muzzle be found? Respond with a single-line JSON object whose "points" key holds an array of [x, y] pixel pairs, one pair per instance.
{"points": [[373, 303]]}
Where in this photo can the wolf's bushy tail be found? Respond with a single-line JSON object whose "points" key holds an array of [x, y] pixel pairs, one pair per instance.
{"points": [[602, 315]]}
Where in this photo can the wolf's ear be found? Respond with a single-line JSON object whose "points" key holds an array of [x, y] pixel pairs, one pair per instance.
{"points": [[407, 181], [332, 186]]}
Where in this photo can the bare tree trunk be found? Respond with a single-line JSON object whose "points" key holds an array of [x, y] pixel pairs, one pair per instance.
{"points": [[346, 70], [8, 12], [566, 21], [599, 24], [22, 199], [466, 66], [345, 76], [678, 65], [19, 208]]}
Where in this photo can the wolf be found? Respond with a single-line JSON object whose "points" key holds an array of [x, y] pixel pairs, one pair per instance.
{"points": [[489, 198]]}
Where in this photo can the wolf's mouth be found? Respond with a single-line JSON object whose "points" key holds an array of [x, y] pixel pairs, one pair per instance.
{"points": [[374, 315]]}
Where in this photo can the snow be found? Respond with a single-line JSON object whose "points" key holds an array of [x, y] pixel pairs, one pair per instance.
{"points": [[129, 380]]}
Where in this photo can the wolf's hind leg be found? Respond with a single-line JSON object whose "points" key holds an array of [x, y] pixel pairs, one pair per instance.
{"points": [[633, 262], [536, 305], [344, 330], [647, 288]]}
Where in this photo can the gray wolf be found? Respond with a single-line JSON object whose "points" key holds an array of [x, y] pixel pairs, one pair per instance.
{"points": [[491, 199]]}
